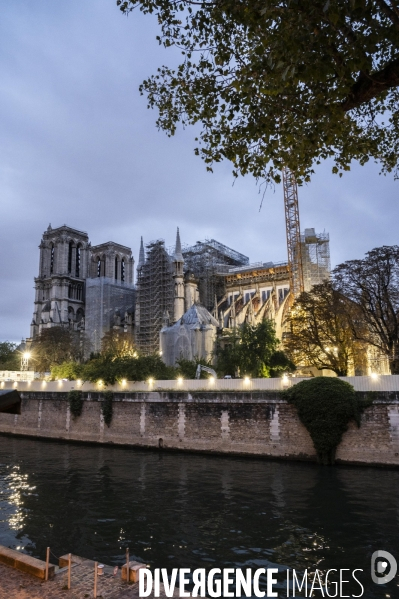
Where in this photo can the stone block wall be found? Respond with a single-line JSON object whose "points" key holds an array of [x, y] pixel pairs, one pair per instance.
{"points": [[239, 423]]}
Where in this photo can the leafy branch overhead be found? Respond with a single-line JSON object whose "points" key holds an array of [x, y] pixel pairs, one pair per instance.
{"points": [[280, 82]]}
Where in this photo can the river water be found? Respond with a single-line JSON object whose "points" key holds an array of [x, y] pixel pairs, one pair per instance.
{"points": [[174, 510]]}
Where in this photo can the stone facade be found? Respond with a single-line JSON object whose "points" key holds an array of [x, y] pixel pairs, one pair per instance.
{"points": [[253, 424], [67, 264]]}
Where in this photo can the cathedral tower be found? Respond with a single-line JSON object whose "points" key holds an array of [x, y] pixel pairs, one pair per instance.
{"points": [[60, 286]]}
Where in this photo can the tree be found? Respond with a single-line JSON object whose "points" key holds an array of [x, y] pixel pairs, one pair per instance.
{"points": [[252, 349], [228, 355], [325, 406], [117, 345], [276, 83], [321, 333], [373, 284], [54, 346], [10, 359]]}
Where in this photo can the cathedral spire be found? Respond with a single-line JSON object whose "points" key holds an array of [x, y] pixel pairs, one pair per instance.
{"points": [[141, 255], [178, 255], [178, 261]]}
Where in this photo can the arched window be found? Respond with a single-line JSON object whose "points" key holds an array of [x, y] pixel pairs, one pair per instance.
{"points": [[99, 267], [52, 259], [123, 270], [116, 268], [77, 265], [70, 248]]}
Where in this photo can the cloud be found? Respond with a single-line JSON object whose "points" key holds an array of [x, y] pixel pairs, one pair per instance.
{"points": [[79, 146]]}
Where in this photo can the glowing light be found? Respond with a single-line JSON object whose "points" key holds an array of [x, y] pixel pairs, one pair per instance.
{"points": [[123, 382], [285, 380], [180, 380], [247, 380], [160, 353], [99, 382], [135, 355], [211, 379], [374, 375], [78, 382], [15, 384], [150, 381], [44, 383], [26, 355]]}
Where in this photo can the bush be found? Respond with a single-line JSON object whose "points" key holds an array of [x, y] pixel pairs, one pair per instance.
{"points": [[67, 370], [325, 406], [106, 407], [188, 368], [132, 369], [75, 403]]}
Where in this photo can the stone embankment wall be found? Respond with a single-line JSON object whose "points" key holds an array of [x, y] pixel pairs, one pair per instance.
{"points": [[255, 423]]}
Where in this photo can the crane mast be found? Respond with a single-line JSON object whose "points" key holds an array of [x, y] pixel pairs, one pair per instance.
{"points": [[293, 233]]}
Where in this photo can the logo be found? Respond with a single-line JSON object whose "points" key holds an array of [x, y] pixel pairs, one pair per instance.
{"points": [[383, 567]]}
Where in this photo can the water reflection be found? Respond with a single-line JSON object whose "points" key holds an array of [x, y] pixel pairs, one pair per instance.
{"points": [[176, 510]]}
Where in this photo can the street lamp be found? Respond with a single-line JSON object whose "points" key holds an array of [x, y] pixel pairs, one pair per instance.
{"points": [[25, 360]]}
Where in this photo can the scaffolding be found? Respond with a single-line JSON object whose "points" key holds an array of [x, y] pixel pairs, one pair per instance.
{"points": [[315, 249], [155, 294], [107, 300], [207, 260]]}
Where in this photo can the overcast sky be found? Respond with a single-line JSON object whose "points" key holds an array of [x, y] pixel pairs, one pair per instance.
{"points": [[79, 147]]}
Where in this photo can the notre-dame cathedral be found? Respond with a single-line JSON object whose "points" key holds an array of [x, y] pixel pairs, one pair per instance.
{"points": [[186, 295], [83, 287]]}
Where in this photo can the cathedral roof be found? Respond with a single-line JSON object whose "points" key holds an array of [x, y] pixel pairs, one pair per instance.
{"points": [[196, 317]]}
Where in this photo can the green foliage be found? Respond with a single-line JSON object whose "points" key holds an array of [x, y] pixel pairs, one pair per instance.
{"points": [[111, 370], [280, 83], [252, 350], [325, 406], [75, 403], [228, 357], [106, 407], [67, 370], [10, 359], [188, 368], [280, 363], [54, 346]]}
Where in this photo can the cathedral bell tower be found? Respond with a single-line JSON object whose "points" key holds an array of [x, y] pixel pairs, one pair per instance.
{"points": [[178, 262]]}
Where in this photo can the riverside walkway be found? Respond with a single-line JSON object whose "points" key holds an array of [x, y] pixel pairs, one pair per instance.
{"points": [[18, 585]]}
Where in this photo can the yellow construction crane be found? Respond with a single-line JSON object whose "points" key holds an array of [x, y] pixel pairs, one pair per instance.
{"points": [[293, 233]]}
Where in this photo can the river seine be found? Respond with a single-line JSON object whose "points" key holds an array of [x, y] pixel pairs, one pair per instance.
{"points": [[191, 511]]}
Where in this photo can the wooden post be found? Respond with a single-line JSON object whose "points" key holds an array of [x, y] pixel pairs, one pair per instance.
{"points": [[95, 580], [127, 565], [47, 561], [69, 570]]}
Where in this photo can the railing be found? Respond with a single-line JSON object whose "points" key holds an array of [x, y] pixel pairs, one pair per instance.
{"points": [[360, 383]]}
